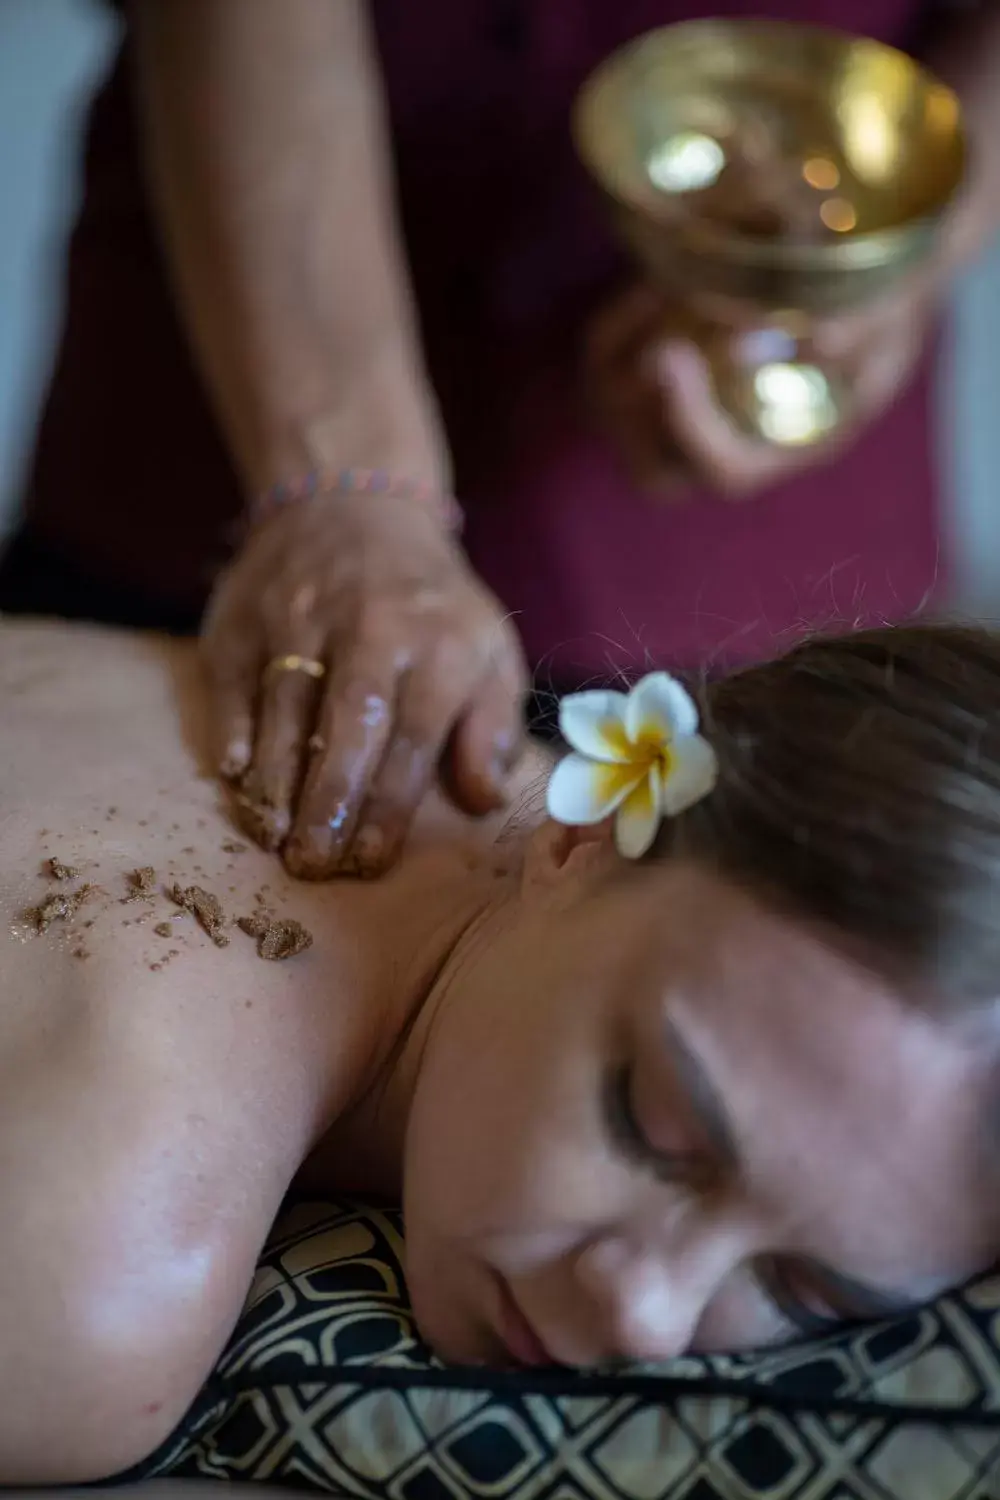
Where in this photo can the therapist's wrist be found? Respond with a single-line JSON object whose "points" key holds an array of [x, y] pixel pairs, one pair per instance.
{"points": [[338, 484], [381, 417]]}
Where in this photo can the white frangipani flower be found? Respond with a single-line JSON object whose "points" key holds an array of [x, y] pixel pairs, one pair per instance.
{"points": [[637, 755]]}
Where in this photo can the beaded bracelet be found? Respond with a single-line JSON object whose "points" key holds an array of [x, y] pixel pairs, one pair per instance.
{"points": [[356, 482]]}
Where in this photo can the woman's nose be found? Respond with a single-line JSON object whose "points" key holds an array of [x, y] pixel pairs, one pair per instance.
{"points": [[649, 1307]]}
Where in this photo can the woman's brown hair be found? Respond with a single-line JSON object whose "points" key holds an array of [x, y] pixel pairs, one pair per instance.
{"points": [[860, 788]]}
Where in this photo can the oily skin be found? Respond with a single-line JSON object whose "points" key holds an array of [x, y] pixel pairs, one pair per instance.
{"points": [[158, 1093]]}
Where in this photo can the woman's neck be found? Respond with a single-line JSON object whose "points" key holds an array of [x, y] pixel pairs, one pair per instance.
{"points": [[403, 932]]}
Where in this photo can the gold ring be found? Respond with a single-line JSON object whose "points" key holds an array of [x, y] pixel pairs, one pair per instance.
{"points": [[293, 663]]}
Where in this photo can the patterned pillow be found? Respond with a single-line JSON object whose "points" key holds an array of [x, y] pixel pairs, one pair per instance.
{"points": [[326, 1384]]}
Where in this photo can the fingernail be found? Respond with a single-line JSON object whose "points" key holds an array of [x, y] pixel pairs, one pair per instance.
{"points": [[235, 761], [302, 861], [369, 851], [322, 850]]}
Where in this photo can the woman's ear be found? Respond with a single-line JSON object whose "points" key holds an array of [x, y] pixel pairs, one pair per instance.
{"points": [[557, 854]]}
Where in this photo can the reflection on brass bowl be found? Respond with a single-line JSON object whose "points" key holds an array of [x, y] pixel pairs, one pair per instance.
{"points": [[776, 170]]}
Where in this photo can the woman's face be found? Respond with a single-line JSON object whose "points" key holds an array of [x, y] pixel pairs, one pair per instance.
{"points": [[650, 1116]]}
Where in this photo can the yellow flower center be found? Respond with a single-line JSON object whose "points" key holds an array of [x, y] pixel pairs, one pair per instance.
{"points": [[650, 749]]}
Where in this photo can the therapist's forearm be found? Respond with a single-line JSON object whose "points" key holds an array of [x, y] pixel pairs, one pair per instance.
{"points": [[963, 49], [269, 171]]}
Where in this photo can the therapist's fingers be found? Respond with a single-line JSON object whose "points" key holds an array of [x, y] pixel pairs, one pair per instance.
{"points": [[286, 711], [725, 458], [429, 698], [630, 412], [488, 739], [352, 729], [232, 716], [624, 326], [232, 660]]}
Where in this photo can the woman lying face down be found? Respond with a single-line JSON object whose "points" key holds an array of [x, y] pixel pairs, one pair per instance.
{"points": [[704, 1094], [743, 1086]]}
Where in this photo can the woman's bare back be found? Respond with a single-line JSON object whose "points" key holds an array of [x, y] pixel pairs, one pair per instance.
{"points": [[123, 881], [160, 1080], [159, 1083]]}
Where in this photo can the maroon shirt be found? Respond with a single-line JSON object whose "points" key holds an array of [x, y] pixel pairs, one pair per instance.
{"points": [[509, 252]]}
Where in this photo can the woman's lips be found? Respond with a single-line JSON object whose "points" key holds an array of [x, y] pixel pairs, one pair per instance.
{"points": [[520, 1339]]}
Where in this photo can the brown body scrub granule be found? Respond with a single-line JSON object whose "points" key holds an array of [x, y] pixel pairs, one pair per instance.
{"points": [[284, 939], [56, 870], [142, 884], [277, 937], [163, 929], [58, 907], [256, 925], [232, 847], [206, 909]]}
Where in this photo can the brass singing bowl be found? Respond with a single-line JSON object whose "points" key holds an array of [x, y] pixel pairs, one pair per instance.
{"points": [[868, 143]]}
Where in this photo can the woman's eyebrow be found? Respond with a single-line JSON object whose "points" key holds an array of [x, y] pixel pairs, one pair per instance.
{"points": [[703, 1096]]}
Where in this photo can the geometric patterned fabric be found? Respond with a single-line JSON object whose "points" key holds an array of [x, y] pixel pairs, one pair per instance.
{"points": [[325, 1384]]}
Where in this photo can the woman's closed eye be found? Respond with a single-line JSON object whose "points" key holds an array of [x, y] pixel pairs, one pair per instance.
{"points": [[680, 1165], [693, 1142], [815, 1298], [798, 1302]]}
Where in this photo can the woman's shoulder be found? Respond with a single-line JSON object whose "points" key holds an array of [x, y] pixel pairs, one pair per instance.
{"points": [[93, 721], [39, 652], [96, 682]]}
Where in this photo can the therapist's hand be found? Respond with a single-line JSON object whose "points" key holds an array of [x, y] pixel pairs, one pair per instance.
{"points": [[653, 396], [422, 674]]}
